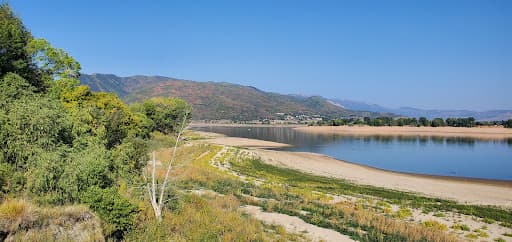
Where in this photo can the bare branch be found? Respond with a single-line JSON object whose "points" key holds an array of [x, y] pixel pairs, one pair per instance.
{"points": [[169, 167], [153, 191]]}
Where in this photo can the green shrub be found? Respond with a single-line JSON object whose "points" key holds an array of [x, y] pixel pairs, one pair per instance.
{"points": [[115, 211], [481, 233], [462, 227], [5, 174], [488, 220], [506, 224]]}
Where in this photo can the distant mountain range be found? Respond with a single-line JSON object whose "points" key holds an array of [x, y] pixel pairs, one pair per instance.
{"points": [[428, 113], [219, 100]]}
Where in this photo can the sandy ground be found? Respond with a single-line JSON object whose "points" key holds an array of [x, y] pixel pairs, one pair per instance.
{"points": [[477, 132], [239, 142], [462, 190], [296, 225], [470, 191], [200, 124]]}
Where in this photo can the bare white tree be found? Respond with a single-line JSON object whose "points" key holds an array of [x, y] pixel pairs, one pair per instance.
{"points": [[157, 193]]}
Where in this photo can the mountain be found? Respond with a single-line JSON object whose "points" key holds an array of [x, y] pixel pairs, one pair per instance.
{"points": [[490, 115], [218, 100]]}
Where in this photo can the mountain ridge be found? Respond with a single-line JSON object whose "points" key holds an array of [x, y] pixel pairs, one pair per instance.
{"points": [[219, 100], [488, 115]]}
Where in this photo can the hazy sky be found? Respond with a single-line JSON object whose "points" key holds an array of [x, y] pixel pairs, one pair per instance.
{"points": [[428, 54]]}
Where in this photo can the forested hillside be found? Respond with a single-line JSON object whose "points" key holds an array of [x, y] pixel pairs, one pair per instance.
{"points": [[214, 100]]}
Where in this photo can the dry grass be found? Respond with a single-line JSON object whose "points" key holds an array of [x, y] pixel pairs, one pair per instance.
{"points": [[190, 217], [23, 221], [412, 231]]}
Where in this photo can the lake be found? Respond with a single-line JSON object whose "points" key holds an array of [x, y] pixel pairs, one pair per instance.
{"points": [[445, 156]]}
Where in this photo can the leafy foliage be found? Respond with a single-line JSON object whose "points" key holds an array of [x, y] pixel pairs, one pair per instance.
{"points": [[422, 121], [61, 143], [117, 212], [166, 113]]}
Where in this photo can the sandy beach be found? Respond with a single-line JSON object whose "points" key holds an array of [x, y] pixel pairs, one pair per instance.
{"points": [[471, 191], [476, 132]]}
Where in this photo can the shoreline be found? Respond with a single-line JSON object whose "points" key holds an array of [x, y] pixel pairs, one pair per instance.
{"points": [[198, 124], [485, 133], [461, 189]]}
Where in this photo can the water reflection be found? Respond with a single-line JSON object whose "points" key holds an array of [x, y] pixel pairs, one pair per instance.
{"points": [[451, 156]]}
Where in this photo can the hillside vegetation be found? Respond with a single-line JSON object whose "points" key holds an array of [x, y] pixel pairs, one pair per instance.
{"points": [[218, 100], [71, 159]]}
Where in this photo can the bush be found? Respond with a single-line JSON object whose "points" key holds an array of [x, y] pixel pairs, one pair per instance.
{"points": [[488, 221], [115, 211], [5, 174], [403, 213], [481, 233], [462, 227], [434, 225], [12, 209]]}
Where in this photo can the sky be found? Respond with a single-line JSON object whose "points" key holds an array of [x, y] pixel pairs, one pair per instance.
{"points": [[426, 54]]}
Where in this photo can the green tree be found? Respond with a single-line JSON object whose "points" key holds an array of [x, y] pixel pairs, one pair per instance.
{"points": [[14, 37], [508, 123], [422, 121], [166, 113], [12, 87], [438, 122]]}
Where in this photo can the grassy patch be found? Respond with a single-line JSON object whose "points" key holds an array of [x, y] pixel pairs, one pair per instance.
{"points": [[403, 213], [461, 227], [434, 225], [471, 236], [258, 169]]}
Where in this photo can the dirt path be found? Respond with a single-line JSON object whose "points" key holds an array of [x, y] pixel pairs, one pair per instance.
{"points": [[296, 225]]}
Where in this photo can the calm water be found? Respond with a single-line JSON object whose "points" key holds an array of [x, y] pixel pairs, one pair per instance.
{"points": [[464, 157]]}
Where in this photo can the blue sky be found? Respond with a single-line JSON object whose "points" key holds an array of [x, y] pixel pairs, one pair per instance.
{"points": [[427, 54]]}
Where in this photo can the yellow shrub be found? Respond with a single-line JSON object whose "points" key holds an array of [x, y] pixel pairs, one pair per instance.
{"points": [[12, 209], [434, 225]]}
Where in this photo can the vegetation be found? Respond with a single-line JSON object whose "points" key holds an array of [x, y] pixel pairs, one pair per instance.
{"points": [[508, 123], [461, 227], [218, 101], [434, 225], [72, 162], [63, 144], [24, 221], [71, 159], [293, 178], [421, 122]]}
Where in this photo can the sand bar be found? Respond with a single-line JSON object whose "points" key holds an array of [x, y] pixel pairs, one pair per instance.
{"points": [[220, 139], [471, 191], [497, 133]]}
